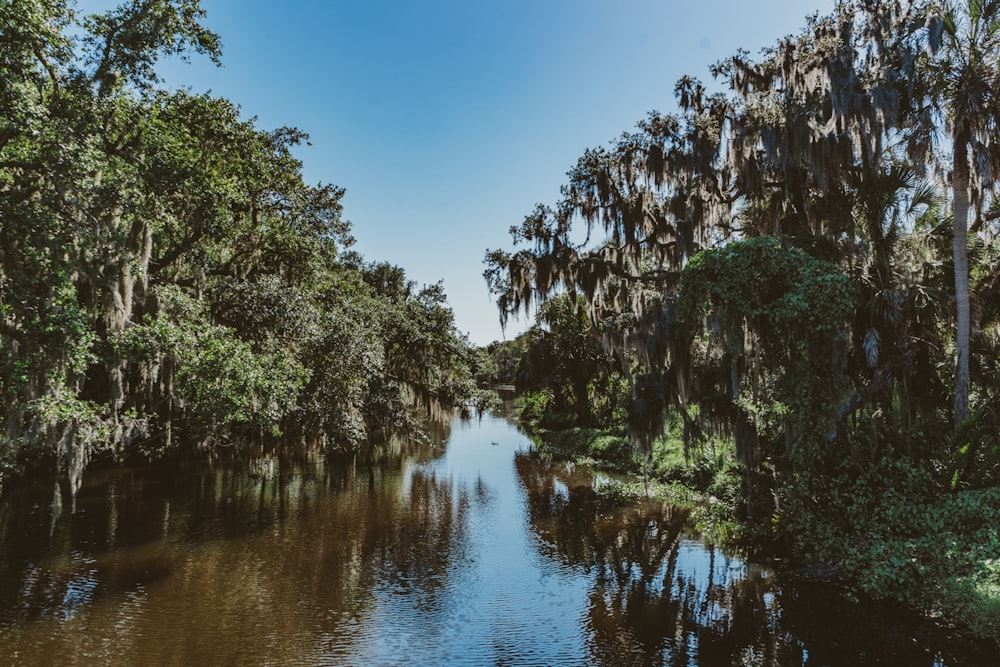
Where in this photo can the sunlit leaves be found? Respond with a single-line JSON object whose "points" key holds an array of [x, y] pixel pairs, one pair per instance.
{"points": [[124, 43], [166, 267], [226, 382]]}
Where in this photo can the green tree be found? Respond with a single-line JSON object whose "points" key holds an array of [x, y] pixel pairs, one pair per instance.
{"points": [[564, 356], [75, 239], [963, 84], [166, 274]]}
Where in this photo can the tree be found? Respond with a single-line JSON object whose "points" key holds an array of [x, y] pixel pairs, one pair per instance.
{"points": [[564, 356], [964, 83], [812, 146], [167, 277], [75, 240]]}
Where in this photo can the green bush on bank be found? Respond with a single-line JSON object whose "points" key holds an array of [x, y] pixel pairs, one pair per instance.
{"points": [[894, 532], [609, 449], [704, 482], [882, 518]]}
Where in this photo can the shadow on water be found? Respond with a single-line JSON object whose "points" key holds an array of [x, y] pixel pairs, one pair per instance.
{"points": [[468, 548], [657, 596]]}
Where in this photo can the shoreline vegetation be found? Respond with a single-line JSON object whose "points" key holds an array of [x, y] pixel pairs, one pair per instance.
{"points": [[168, 280], [944, 593], [788, 296]]}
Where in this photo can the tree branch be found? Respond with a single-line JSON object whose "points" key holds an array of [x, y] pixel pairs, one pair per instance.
{"points": [[48, 68], [984, 218]]}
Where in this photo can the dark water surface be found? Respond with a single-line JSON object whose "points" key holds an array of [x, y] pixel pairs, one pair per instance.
{"points": [[472, 551]]}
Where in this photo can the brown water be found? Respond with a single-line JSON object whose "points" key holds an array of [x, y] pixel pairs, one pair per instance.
{"points": [[472, 551]]}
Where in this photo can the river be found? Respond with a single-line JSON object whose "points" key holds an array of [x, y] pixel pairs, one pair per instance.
{"points": [[468, 550]]}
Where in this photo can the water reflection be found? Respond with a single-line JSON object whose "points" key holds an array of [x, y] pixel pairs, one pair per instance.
{"points": [[229, 564], [655, 597], [658, 597], [477, 553]]}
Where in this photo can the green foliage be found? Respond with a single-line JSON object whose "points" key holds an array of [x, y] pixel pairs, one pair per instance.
{"points": [[125, 43], [502, 360], [560, 370], [533, 407], [770, 270], [893, 530], [608, 448], [563, 355], [166, 274], [752, 289], [770, 287], [225, 383]]}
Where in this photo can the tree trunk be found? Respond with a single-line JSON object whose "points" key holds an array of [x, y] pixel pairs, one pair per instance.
{"points": [[582, 395], [960, 244]]}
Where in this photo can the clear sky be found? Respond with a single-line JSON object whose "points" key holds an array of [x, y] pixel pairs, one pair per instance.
{"points": [[448, 120]]}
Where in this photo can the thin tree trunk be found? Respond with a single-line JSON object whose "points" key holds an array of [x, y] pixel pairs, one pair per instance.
{"points": [[960, 243]]}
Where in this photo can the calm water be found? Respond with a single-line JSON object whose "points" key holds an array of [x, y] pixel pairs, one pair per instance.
{"points": [[472, 551]]}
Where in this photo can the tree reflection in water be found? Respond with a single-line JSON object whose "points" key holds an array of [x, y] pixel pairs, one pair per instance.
{"points": [[659, 597], [484, 554], [655, 598], [236, 563]]}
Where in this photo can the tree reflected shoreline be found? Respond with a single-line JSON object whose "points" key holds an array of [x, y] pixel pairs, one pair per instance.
{"points": [[467, 549], [658, 596]]}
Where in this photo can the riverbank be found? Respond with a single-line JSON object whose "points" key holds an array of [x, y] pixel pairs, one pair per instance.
{"points": [[469, 548], [888, 535]]}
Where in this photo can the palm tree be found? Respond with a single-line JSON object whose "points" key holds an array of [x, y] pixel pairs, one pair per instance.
{"points": [[964, 79]]}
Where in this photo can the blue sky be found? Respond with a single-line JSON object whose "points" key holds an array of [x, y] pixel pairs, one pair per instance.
{"points": [[448, 120]]}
